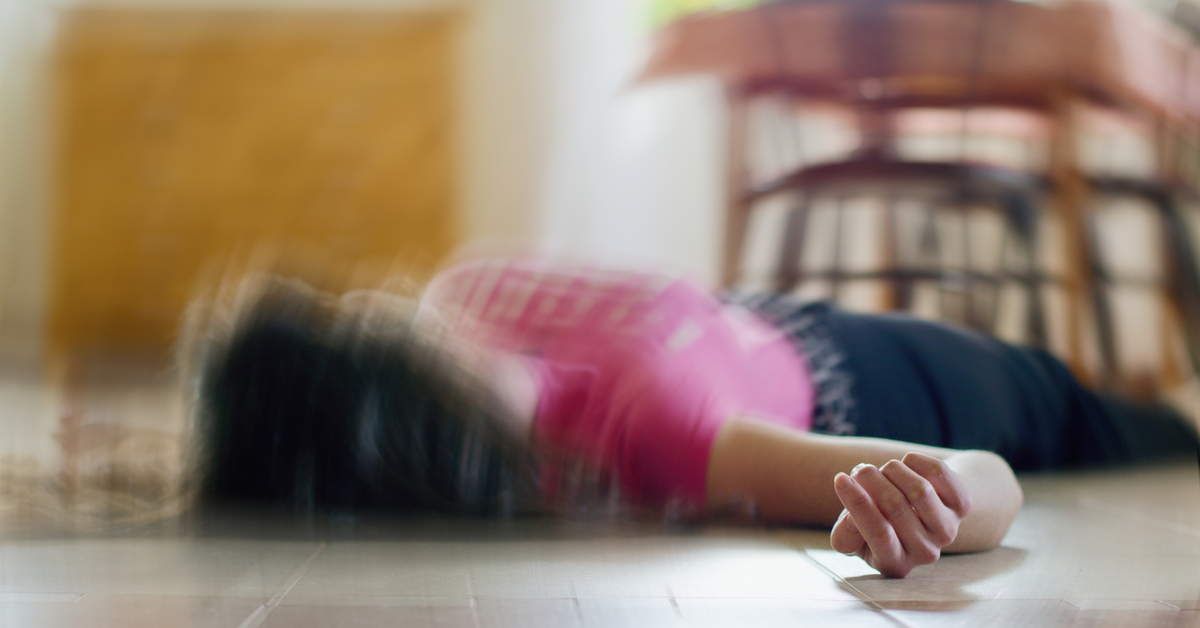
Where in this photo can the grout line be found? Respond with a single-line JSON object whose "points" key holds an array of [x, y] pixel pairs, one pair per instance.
{"points": [[254, 619], [474, 602], [296, 576], [260, 614], [862, 597], [575, 602], [674, 603], [38, 597], [1096, 504]]}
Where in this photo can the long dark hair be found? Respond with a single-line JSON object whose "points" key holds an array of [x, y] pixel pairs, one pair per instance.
{"points": [[301, 402]]}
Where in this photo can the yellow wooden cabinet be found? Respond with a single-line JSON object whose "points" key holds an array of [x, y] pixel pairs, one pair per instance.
{"points": [[185, 139]]}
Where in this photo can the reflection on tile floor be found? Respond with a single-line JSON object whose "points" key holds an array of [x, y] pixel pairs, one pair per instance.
{"points": [[1007, 613], [1119, 548], [1090, 549]]}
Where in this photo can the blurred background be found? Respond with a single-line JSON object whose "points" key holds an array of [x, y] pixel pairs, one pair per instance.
{"points": [[1024, 168], [144, 143]]}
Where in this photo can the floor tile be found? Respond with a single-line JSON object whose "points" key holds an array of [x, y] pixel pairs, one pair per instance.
{"points": [[370, 616], [375, 600], [1168, 493], [754, 571], [15, 597], [507, 613], [206, 568], [841, 565], [1137, 578], [1120, 605], [802, 538], [1071, 526], [389, 569], [126, 611], [502, 613], [699, 566], [630, 612], [1041, 613], [759, 612], [1003, 573], [483, 614]]}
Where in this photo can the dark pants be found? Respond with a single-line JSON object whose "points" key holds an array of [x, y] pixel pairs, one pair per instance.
{"points": [[898, 377], [933, 384]]}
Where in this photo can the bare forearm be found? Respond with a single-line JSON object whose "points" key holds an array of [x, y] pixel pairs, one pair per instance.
{"points": [[789, 475], [996, 498]]}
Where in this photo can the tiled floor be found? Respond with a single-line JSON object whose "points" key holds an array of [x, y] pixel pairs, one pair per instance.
{"points": [[1098, 549]]}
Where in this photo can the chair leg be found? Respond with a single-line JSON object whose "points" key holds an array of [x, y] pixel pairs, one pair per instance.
{"points": [[1070, 190], [997, 289], [737, 207], [791, 265], [969, 302], [1184, 283], [835, 269], [1100, 282], [891, 252], [1022, 219], [929, 254]]}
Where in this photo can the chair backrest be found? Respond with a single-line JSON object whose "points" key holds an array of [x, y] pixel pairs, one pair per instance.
{"points": [[946, 241]]}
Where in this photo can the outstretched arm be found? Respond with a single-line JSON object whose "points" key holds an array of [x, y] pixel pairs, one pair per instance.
{"points": [[790, 476]]}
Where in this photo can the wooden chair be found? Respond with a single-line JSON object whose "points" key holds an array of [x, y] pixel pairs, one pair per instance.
{"points": [[879, 59], [969, 290]]}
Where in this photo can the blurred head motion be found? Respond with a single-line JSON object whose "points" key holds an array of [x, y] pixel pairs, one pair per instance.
{"points": [[307, 401]]}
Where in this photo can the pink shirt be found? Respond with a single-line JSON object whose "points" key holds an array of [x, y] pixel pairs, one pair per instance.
{"points": [[636, 371]]}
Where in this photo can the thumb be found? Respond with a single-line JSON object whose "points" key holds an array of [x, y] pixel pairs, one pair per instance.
{"points": [[845, 537]]}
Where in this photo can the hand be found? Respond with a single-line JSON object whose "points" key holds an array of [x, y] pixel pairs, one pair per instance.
{"points": [[901, 515]]}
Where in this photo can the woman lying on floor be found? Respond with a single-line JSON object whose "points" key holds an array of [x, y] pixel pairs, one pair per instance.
{"points": [[515, 387]]}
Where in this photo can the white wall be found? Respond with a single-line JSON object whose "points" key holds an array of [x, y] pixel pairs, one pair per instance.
{"points": [[568, 156], [506, 106], [26, 28], [636, 171]]}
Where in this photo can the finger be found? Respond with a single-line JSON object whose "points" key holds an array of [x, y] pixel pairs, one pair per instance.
{"points": [[893, 504], [875, 529], [949, 486], [845, 537], [940, 522]]}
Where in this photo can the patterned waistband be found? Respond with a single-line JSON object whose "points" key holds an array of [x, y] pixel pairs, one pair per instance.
{"points": [[805, 324]]}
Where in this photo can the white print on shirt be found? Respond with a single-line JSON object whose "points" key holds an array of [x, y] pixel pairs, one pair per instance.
{"points": [[688, 332], [485, 284], [582, 306], [617, 316], [514, 298], [484, 293]]}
